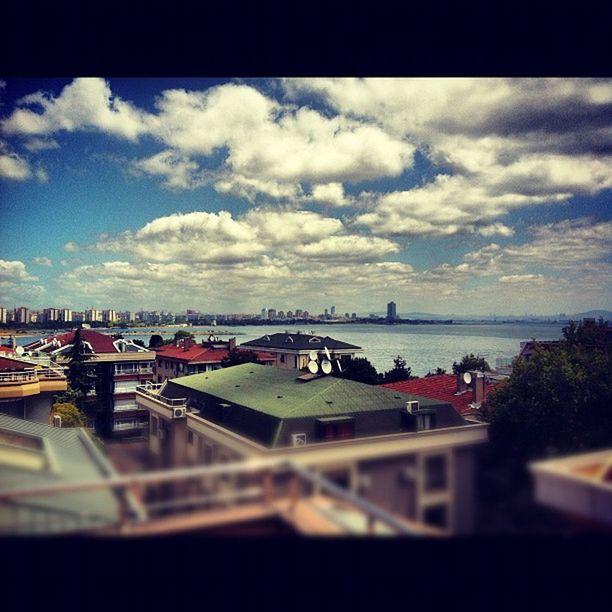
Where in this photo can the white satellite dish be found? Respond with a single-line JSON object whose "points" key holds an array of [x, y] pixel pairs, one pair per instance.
{"points": [[467, 378], [326, 366], [313, 355], [313, 366], [327, 353], [19, 350]]}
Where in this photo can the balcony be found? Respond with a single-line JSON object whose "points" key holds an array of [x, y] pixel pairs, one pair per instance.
{"points": [[18, 378], [266, 497], [121, 370], [151, 391]]}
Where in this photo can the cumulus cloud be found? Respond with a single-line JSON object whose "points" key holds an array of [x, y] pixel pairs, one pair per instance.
{"points": [[40, 144], [42, 261], [16, 283], [178, 171], [331, 193], [14, 167], [72, 247], [14, 271]]}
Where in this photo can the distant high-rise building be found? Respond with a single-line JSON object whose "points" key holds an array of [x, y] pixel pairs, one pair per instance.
{"points": [[92, 315], [305, 314], [271, 313], [21, 315], [391, 311], [108, 316], [333, 311], [290, 314], [51, 314], [353, 315], [264, 313], [299, 313], [3, 315], [66, 315]]}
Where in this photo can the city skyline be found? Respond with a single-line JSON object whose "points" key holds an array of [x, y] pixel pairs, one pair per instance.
{"points": [[446, 195]]}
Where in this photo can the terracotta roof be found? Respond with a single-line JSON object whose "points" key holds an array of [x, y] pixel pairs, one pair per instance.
{"points": [[100, 343], [441, 387], [201, 354]]}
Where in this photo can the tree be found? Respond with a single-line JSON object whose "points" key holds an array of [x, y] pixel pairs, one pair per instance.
{"points": [[139, 342], [557, 402], [155, 340], [358, 369], [436, 373], [79, 378], [470, 362], [237, 356], [71, 415], [398, 372]]}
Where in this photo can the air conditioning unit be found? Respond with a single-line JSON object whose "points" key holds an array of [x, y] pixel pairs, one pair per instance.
{"points": [[178, 413], [298, 439], [412, 406]]}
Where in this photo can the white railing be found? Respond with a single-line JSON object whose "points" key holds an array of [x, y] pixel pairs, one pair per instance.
{"points": [[50, 373], [117, 426], [18, 377], [152, 391], [133, 370]]}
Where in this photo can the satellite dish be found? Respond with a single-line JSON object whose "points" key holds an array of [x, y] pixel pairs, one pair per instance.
{"points": [[327, 353], [467, 378], [19, 350], [326, 366], [313, 366], [313, 355], [339, 366]]}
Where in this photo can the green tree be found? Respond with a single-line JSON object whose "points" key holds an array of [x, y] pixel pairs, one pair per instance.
{"points": [[470, 362], [358, 369], [237, 356], [79, 378], [557, 402], [436, 373], [71, 415], [398, 372], [139, 342], [155, 340]]}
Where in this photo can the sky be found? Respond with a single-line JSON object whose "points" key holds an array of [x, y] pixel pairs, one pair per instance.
{"points": [[450, 196]]}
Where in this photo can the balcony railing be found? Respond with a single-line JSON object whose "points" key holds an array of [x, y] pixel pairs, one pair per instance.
{"points": [[133, 370], [119, 426], [152, 391], [19, 378], [50, 374], [207, 496]]}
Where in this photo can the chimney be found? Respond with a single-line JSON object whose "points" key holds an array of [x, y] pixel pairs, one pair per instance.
{"points": [[461, 386], [231, 344], [13, 343], [478, 387]]}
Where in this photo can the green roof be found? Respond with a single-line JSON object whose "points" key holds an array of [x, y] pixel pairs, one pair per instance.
{"points": [[38, 454], [276, 392]]}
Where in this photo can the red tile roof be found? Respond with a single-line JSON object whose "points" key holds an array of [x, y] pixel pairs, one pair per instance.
{"points": [[440, 387], [100, 343], [201, 354], [13, 364]]}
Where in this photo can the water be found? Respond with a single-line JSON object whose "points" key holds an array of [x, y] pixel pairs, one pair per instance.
{"points": [[424, 347]]}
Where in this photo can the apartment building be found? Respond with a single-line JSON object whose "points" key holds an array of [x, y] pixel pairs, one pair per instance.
{"points": [[293, 350], [118, 366], [410, 455]]}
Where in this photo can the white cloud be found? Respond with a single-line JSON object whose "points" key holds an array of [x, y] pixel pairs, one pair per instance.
{"points": [[72, 247], [12, 166], [522, 278], [251, 188], [178, 171], [42, 261], [332, 194], [14, 271], [40, 144]]}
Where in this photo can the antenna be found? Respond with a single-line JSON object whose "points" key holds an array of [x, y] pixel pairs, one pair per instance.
{"points": [[313, 366], [467, 378], [326, 366], [339, 366], [327, 353]]}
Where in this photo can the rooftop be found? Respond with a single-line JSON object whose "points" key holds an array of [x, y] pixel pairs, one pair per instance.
{"points": [[196, 353], [300, 342]]}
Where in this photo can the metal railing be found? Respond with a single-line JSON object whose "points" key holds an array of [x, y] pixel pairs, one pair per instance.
{"points": [[18, 377], [50, 374], [152, 391], [297, 485], [133, 370]]}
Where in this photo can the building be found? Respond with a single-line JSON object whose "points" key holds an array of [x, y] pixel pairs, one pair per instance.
{"points": [[109, 316], [51, 314], [35, 455], [466, 394], [66, 315], [3, 315], [292, 351], [21, 315], [117, 367], [186, 357], [579, 486], [27, 387], [333, 311], [412, 456], [391, 311]]}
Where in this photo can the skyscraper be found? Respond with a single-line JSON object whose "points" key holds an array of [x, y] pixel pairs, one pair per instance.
{"points": [[391, 311]]}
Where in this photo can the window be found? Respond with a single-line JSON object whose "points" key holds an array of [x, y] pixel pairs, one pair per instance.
{"points": [[436, 473], [282, 359], [126, 386], [335, 428], [436, 515]]}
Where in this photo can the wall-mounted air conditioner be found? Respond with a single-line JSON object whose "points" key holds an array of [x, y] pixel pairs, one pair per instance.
{"points": [[178, 413], [298, 439], [412, 406]]}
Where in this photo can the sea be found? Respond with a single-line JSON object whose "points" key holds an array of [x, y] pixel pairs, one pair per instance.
{"points": [[424, 347]]}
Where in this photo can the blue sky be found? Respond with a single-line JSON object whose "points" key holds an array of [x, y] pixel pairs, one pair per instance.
{"points": [[465, 196]]}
